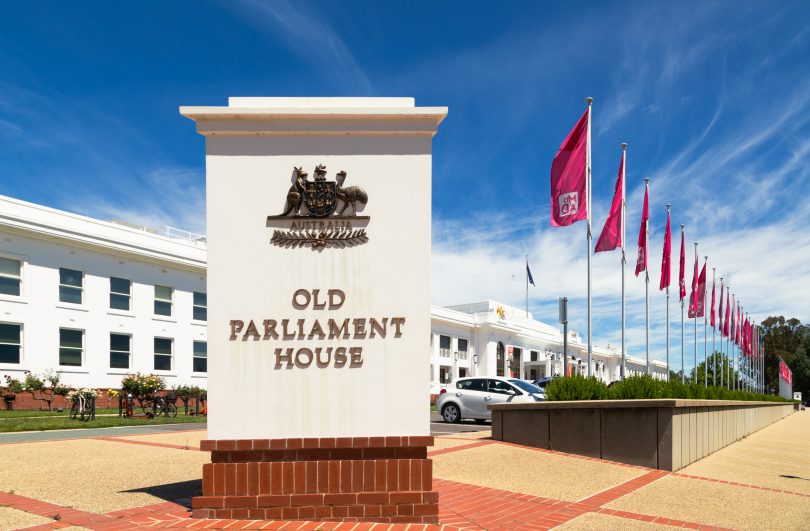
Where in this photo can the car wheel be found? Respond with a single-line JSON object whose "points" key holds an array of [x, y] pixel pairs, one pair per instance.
{"points": [[451, 413], [480, 421]]}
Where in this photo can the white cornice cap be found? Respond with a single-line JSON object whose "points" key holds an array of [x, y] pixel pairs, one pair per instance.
{"points": [[317, 117]]}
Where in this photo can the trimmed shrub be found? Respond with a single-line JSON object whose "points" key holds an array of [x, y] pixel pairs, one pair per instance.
{"points": [[576, 388], [638, 387], [644, 388]]}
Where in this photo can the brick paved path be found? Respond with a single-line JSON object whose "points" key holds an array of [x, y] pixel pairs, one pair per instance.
{"points": [[462, 506]]}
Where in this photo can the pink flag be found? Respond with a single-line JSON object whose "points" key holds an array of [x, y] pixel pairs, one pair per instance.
{"points": [[641, 262], [711, 315], [720, 313], [568, 181], [732, 334], [728, 317], [682, 277], [747, 337], [737, 334], [693, 296], [700, 304], [666, 258], [611, 236]]}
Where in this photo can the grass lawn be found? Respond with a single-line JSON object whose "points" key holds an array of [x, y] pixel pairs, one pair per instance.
{"points": [[56, 422], [17, 413]]}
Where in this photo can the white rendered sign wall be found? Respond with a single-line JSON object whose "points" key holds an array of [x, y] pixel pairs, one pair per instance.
{"points": [[318, 326]]}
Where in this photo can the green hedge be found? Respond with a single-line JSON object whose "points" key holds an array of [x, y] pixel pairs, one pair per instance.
{"points": [[643, 387]]}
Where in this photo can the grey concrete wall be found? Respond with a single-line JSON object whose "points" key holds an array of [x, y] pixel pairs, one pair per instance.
{"points": [[663, 434]]}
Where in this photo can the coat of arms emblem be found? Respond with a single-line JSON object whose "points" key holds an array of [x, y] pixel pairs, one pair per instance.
{"points": [[320, 199]]}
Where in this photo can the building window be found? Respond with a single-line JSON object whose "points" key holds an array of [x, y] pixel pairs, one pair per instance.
{"points": [[120, 350], [499, 353], [163, 354], [119, 293], [10, 343], [444, 346], [70, 285], [163, 300], [200, 356], [533, 355], [462, 345], [514, 362], [444, 375], [200, 306], [71, 344], [10, 276]]}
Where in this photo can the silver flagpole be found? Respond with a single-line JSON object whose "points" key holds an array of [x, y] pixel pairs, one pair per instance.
{"points": [[683, 367], [726, 358], [705, 328], [669, 205], [589, 101], [624, 245], [714, 331], [695, 319], [647, 275]]}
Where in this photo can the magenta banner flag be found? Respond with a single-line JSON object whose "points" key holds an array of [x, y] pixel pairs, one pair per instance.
{"points": [[611, 236], [641, 262], [700, 304], [693, 296], [712, 320], [568, 182], [732, 332], [737, 329], [666, 257], [682, 275], [720, 312], [728, 317]]}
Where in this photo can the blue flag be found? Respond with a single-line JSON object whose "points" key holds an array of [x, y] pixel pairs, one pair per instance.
{"points": [[529, 274]]}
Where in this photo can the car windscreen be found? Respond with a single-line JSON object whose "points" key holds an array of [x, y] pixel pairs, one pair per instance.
{"points": [[526, 386]]}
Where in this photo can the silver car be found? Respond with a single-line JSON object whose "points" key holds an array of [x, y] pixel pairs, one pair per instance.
{"points": [[468, 398]]}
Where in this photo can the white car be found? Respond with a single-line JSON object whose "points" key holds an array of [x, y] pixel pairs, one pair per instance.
{"points": [[468, 398]]}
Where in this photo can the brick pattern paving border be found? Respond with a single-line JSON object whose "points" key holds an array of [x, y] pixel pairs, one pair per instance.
{"points": [[462, 506]]}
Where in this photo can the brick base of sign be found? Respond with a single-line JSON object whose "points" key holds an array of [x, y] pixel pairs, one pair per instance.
{"points": [[369, 479]]}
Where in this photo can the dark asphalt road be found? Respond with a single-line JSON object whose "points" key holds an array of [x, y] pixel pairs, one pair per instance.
{"points": [[440, 427], [437, 427]]}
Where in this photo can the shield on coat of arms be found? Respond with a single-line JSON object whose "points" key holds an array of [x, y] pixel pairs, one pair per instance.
{"points": [[319, 197]]}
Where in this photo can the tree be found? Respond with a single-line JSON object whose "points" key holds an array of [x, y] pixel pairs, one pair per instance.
{"points": [[723, 363], [781, 338], [800, 365]]}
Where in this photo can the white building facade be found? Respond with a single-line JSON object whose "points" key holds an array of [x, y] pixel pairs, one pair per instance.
{"points": [[492, 339], [96, 300]]}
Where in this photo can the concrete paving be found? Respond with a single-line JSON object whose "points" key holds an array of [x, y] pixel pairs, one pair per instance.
{"points": [[123, 480], [14, 519]]}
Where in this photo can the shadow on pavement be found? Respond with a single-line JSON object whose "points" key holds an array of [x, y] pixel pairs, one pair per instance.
{"points": [[173, 491]]}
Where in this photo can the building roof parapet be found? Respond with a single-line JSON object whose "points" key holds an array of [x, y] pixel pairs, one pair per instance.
{"points": [[50, 223]]}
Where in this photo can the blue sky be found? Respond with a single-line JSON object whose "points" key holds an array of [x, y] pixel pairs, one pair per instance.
{"points": [[713, 99]]}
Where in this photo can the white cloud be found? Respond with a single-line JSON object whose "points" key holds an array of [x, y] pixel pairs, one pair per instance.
{"points": [[306, 34]]}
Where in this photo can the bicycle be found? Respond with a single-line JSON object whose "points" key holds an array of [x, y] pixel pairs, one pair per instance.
{"points": [[81, 408], [159, 405]]}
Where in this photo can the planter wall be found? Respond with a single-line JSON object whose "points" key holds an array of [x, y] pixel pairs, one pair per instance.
{"points": [[664, 434], [27, 401]]}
